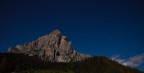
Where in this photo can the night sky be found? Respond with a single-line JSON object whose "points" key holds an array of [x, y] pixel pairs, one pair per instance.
{"points": [[112, 28]]}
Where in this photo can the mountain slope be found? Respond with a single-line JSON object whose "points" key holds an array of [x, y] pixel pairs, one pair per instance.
{"points": [[54, 47], [21, 63]]}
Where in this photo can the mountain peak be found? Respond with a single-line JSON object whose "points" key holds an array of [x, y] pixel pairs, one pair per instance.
{"points": [[56, 32], [52, 47]]}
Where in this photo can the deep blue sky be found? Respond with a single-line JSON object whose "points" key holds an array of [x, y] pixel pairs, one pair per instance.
{"points": [[95, 27]]}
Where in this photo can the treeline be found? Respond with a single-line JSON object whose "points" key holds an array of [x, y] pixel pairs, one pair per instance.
{"points": [[20, 63]]}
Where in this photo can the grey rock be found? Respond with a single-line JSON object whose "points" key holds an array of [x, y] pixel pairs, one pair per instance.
{"points": [[54, 47]]}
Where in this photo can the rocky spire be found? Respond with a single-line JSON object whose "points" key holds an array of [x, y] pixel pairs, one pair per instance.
{"points": [[52, 47], [55, 32]]}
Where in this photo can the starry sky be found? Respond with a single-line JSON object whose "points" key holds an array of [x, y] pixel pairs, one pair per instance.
{"points": [[112, 28]]}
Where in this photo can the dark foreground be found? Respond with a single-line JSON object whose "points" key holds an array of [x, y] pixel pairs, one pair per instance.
{"points": [[20, 63]]}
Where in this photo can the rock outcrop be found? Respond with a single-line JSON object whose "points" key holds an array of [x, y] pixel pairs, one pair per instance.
{"points": [[54, 47]]}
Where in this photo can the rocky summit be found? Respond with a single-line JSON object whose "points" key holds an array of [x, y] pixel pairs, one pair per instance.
{"points": [[54, 47]]}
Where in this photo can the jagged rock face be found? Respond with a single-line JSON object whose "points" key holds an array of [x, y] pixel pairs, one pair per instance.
{"points": [[52, 47]]}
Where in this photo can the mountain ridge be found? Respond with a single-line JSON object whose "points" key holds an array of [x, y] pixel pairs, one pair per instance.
{"points": [[50, 47]]}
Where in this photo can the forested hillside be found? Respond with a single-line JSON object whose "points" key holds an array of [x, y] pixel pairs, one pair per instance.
{"points": [[20, 63]]}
